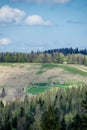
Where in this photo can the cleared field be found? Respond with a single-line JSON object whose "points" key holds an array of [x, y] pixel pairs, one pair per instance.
{"points": [[37, 78]]}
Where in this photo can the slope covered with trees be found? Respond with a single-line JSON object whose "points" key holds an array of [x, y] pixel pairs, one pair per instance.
{"points": [[54, 110]]}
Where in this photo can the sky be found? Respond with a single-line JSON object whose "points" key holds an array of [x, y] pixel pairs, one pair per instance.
{"points": [[38, 25]]}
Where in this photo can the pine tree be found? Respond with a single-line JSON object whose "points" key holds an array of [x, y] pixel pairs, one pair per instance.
{"points": [[50, 120]]}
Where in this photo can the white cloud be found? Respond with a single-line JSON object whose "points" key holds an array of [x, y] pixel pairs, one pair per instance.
{"points": [[10, 15], [37, 20], [5, 41]]}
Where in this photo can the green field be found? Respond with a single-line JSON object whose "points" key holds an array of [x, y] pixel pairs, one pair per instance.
{"points": [[43, 87], [71, 69]]}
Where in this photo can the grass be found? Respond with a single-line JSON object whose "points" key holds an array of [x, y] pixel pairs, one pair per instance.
{"points": [[42, 87], [37, 90], [46, 66], [69, 84], [21, 65], [71, 69], [7, 64], [41, 84], [11, 64]]}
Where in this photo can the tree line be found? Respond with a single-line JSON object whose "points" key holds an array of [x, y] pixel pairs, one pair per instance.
{"points": [[44, 57], [67, 51], [61, 109]]}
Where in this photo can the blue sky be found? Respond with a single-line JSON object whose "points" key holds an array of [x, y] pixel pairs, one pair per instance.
{"points": [[27, 25]]}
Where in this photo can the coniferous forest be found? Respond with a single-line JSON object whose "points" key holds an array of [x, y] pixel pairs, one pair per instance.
{"points": [[53, 110]]}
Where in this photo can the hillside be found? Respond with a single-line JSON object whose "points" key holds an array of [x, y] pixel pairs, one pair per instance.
{"points": [[19, 79]]}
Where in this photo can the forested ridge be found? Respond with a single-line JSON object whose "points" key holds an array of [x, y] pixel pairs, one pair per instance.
{"points": [[69, 55], [61, 109]]}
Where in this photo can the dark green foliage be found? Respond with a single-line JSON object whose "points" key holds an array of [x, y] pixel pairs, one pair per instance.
{"points": [[50, 119], [77, 124], [21, 112], [3, 94], [57, 110], [63, 125], [84, 109]]}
